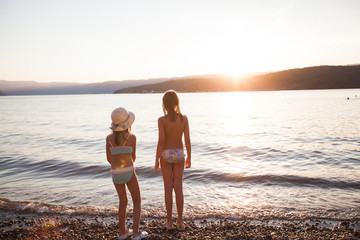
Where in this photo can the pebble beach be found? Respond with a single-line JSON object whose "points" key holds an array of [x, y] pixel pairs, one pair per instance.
{"points": [[20, 225]]}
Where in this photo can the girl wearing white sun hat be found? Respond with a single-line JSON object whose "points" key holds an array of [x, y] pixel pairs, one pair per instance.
{"points": [[121, 119], [121, 154]]}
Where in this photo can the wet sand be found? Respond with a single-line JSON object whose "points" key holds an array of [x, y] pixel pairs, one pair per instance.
{"points": [[20, 225]]}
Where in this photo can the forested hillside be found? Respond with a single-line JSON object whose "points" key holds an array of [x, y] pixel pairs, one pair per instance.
{"points": [[321, 77]]}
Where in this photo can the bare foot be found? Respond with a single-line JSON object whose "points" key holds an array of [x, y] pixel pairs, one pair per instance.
{"points": [[168, 225], [180, 225]]}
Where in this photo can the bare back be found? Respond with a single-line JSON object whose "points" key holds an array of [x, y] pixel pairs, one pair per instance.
{"points": [[173, 132], [170, 137]]}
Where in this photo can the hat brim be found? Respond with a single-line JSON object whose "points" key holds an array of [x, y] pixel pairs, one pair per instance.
{"points": [[124, 125]]}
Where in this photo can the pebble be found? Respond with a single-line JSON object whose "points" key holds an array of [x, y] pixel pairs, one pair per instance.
{"points": [[93, 228]]}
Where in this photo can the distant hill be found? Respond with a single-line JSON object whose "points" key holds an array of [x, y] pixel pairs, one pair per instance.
{"points": [[320, 77], [36, 88], [208, 83], [2, 94]]}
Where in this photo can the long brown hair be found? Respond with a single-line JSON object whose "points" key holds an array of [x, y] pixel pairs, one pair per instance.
{"points": [[171, 107], [120, 135]]}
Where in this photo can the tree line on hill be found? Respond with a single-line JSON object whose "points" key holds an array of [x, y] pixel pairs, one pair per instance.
{"points": [[320, 77]]}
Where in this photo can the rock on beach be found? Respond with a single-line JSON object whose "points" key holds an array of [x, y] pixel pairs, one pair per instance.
{"points": [[47, 226]]}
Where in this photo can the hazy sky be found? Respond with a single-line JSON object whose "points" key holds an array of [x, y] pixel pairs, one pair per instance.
{"points": [[96, 41]]}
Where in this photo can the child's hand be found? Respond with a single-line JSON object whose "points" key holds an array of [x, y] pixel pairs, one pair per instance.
{"points": [[157, 166], [188, 162]]}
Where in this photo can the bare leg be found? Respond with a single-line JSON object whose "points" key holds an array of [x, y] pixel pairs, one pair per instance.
{"points": [[178, 173], [167, 173], [123, 201], [134, 189]]}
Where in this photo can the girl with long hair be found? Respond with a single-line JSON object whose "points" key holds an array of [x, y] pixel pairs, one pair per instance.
{"points": [[170, 155]]}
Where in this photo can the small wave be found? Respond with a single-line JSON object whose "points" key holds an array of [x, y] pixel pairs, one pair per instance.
{"points": [[210, 150], [269, 180], [68, 169], [63, 169], [39, 207], [51, 168], [158, 211]]}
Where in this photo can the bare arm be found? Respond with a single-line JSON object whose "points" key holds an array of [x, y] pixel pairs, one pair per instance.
{"points": [[160, 145], [134, 149], [108, 153], [187, 143]]}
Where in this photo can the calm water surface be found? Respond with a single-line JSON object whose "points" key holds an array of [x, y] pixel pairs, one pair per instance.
{"points": [[283, 154]]}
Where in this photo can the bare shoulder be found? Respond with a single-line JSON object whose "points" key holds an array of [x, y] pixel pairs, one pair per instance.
{"points": [[132, 137], [108, 137], [161, 119]]}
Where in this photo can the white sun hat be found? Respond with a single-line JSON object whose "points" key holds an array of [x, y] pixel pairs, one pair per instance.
{"points": [[121, 119]]}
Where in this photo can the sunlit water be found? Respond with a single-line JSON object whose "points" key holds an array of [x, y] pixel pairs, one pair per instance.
{"points": [[284, 154]]}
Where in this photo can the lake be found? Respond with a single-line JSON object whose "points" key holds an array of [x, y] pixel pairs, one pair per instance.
{"points": [[255, 155]]}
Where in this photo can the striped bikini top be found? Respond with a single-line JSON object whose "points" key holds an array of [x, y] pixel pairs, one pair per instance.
{"points": [[122, 163], [121, 149]]}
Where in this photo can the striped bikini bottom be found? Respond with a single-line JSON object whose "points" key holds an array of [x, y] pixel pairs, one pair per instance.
{"points": [[122, 176]]}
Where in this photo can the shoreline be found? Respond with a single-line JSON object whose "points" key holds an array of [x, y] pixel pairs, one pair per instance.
{"points": [[25, 225]]}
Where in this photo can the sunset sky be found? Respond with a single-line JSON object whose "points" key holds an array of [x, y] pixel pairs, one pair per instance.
{"points": [[97, 41]]}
